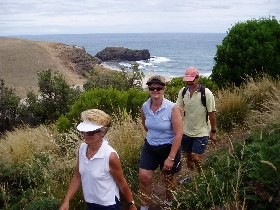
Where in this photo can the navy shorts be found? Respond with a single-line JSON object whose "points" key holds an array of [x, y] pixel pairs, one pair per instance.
{"points": [[93, 206], [195, 145], [153, 157]]}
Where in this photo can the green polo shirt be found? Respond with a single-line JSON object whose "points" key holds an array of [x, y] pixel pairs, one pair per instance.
{"points": [[195, 124]]}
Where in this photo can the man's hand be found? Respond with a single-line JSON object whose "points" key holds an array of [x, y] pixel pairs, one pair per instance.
{"points": [[213, 137]]}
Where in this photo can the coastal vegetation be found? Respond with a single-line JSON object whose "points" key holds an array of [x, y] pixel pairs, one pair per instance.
{"points": [[39, 142], [250, 49]]}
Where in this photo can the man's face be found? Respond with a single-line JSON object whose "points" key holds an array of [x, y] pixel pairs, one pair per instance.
{"points": [[194, 82]]}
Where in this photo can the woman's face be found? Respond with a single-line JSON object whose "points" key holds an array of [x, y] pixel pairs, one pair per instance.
{"points": [[92, 137], [156, 90]]}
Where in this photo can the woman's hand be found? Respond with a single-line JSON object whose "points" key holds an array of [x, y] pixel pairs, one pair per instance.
{"points": [[168, 164], [64, 206]]}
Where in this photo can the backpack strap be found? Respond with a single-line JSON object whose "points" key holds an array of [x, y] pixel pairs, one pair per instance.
{"points": [[203, 100], [184, 91], [203, 97]]}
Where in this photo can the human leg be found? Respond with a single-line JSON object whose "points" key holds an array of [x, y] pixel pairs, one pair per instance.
{"points": [[145, 185], [189, 161], [148, 164], [198, 149], [168, 176], [187, 144]]}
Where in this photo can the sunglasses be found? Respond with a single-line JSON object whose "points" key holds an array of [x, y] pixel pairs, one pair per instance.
{"points": [[90, 133], [155, 88]]}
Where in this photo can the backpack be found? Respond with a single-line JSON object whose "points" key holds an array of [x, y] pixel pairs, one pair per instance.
{"points": [[203, 97]]}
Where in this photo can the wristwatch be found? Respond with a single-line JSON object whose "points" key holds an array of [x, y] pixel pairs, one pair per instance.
{"points": [[172, 159], [131, 203], [213, 131]]}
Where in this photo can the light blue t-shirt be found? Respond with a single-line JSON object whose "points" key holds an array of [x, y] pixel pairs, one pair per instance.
{"points": [[158, 123]]}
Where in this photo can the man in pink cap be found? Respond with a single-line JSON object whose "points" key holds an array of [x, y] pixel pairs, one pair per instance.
{"points": [[199, 118]]}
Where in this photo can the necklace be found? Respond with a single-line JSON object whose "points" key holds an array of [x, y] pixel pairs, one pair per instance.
{"points": [[91, 153]]}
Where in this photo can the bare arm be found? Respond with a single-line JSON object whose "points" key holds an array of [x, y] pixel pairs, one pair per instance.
{"points": [[117, 173], [73, 187], [177, 125], [213, 123], [143, 118]]}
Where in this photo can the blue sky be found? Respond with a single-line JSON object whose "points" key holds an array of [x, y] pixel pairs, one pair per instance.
{"points": [[28, 17]]}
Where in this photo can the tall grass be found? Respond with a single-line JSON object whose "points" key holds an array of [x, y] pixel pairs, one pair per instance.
{"points": [[127, 136], [37, 163], [232, 109]]}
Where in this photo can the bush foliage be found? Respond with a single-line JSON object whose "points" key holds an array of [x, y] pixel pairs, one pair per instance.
{"points": [[120, 80], [246, 178], [111, 100], [250, 48], [54, 99], [177, 83], [8, 108]]}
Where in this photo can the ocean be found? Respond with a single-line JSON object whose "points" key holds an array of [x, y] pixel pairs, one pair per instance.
{"points": [[171, 53]]}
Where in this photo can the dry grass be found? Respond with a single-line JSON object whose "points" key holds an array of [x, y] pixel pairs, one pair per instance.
{"points": [[264, 95], [20, 60], [126, 132], [21, 145]]}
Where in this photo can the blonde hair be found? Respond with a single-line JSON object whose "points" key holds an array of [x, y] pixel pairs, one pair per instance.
{"points": [[97, 116]]}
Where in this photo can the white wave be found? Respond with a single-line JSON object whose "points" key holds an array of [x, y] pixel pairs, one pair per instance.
{"points": [[125, 64], [155, 59], [144, 63]]}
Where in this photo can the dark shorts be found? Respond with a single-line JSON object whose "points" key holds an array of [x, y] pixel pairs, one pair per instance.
{"points": [[153, 157], [93, 206], [195, 145]]}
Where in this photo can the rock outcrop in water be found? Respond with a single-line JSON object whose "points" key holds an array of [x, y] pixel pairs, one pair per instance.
{"points": [[122, 54]]}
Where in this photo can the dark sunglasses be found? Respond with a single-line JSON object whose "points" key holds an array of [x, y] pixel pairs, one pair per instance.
{"points": [[155, 88], [90, 133]]}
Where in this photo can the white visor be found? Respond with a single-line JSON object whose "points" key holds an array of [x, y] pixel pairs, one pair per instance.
{"points": [[87, 126]]}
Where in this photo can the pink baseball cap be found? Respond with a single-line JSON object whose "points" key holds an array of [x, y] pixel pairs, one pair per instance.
{"points": [[190, 74]]}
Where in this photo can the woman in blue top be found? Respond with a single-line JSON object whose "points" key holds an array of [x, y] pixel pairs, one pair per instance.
{"points": [[163, 123]]}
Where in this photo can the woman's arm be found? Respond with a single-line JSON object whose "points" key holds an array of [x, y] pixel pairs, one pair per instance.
{"points": [[73, 187], [117, 173], [177, 125], [143, 118]]}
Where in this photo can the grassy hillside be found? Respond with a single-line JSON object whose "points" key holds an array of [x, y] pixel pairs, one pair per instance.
{"points": [[20, 60]]}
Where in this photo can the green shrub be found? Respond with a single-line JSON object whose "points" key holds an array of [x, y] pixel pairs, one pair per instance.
{"points": [[63, 123], [262, 179], [106, 79], [247, 176], [112, 101], [8, 108], [18, 179], [250, 48], [43, 204], [120, 80], [54, 99], [176, 84]]}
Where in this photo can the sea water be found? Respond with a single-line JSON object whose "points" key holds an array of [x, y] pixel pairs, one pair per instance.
{"points": [[171, 53]]}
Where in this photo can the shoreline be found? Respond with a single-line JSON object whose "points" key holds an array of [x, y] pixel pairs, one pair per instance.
{"points": [[146, 77]]}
